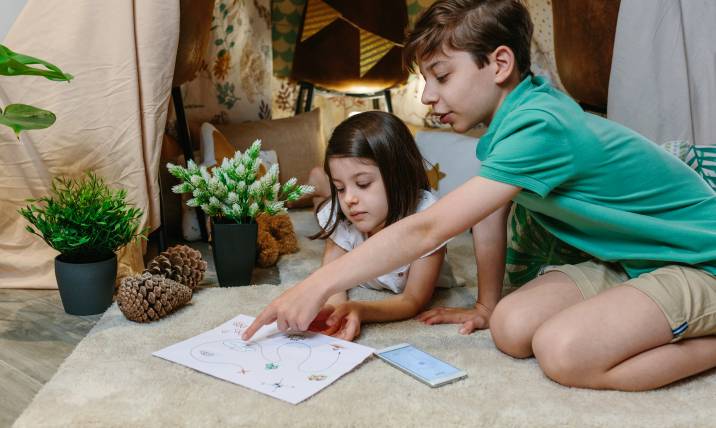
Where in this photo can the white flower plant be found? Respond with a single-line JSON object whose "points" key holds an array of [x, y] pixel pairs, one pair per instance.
{"points": [[233, 191]]}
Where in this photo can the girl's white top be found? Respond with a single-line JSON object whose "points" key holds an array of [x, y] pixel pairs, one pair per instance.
{"points": [[348, 237]]}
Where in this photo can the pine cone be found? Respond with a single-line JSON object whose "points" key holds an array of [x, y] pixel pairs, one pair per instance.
{"points": [[147, 297], [181, 263]]}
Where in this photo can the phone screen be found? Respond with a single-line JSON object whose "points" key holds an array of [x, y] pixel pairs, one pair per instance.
{"points": [[419, 362]]}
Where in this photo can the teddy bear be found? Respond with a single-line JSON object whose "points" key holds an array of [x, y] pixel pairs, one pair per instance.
{"points": [[276, 237]]}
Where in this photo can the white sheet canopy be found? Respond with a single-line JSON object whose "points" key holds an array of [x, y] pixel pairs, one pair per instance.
{"points": [[110, 118], [663, 76]]}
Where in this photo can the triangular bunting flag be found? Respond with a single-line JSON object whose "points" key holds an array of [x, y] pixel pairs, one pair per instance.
{"points": [[318, 15], [372, 49]]}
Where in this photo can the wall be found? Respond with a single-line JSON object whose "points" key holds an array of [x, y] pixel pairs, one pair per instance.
{"points": [[9, 9]]}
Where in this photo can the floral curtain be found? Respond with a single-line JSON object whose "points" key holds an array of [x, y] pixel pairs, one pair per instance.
{"points": [[542, 52], [246, 68], [234, 82]]}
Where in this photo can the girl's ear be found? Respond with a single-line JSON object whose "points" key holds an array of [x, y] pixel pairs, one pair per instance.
{"points": [[504, 60]]}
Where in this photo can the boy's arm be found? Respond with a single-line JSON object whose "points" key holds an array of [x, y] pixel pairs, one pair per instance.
{"points": [[489, 240], [396, 245], [422, 277], [331, 252]]}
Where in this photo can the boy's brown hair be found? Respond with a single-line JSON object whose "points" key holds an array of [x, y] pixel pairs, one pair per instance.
{"points": [[474, 26]]}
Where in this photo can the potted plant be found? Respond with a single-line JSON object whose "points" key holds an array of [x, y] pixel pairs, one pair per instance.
{"points": [[87, 223], [232, 195]]}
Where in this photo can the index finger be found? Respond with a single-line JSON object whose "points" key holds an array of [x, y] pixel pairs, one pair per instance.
{"points": [[267, 316]]}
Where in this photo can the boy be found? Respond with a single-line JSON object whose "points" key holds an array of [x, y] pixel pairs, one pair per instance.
{"points": [[642, 314]]}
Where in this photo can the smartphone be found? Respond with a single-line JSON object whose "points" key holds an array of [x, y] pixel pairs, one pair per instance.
{"points": [[420, 365]]}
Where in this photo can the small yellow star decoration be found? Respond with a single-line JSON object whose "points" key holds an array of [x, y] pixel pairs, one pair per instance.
{"points": [[434, 176]]}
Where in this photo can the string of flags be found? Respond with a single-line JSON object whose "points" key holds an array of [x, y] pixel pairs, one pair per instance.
{"points": [[319, 14]]}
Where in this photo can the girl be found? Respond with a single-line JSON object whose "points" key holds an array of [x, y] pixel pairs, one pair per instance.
{"points": [[374, 176]]}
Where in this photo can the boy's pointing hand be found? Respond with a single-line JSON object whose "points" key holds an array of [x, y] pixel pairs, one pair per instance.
{"points": [[293, 310], [267, 316]]}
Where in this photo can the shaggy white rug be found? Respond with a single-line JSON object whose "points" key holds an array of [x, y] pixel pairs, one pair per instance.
{"points": [[111, 379]]}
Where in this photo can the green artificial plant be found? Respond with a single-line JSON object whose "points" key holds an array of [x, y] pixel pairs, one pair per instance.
{"points": [[22, 117], [234, 190], [83, 219]]}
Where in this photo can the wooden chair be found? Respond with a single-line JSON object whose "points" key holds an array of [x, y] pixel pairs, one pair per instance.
{"points": [[583, 43]]}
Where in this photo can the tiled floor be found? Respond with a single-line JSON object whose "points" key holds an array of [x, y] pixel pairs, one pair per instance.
{"points": [[36, 335]]}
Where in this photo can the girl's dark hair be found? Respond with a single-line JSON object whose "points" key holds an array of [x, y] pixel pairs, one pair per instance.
{"points": [[385, 140], [474, 26]]}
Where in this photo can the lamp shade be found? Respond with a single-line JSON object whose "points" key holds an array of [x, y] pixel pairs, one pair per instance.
{"points": [[351, 46]]}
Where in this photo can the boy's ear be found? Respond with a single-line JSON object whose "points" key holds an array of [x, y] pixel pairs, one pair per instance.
{"points": [[504, 60]]}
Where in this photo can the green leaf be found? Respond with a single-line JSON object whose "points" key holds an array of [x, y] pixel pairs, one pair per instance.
{"points": [[84, 219], [229, 29], [218, 42], [22, 117], [16, 64]]}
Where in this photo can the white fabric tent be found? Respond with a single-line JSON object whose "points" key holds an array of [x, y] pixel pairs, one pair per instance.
{"points": [[663, 77], [110, 118]]}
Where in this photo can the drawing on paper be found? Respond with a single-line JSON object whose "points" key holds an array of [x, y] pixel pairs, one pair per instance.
{"points": [[291, 367]]}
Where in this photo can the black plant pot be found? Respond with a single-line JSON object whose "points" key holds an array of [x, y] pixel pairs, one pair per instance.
{"points": [[86, 288], [234, 250]]}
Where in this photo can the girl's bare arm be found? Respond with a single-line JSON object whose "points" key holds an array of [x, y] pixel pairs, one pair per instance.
{"points": [[422, 277]]}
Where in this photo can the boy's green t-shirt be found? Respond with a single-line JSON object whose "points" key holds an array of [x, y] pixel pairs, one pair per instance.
{"points": [[597, 185]]}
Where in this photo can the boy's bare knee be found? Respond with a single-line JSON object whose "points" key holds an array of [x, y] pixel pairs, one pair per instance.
{"points": [[509, 331], [558, 354]]}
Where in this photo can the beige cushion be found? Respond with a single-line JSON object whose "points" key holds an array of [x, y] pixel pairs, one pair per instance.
{"points": [[298, 142], [450, 159]]}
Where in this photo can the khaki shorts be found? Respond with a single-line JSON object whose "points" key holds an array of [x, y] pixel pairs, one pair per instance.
{"points": [[686, 295]]}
